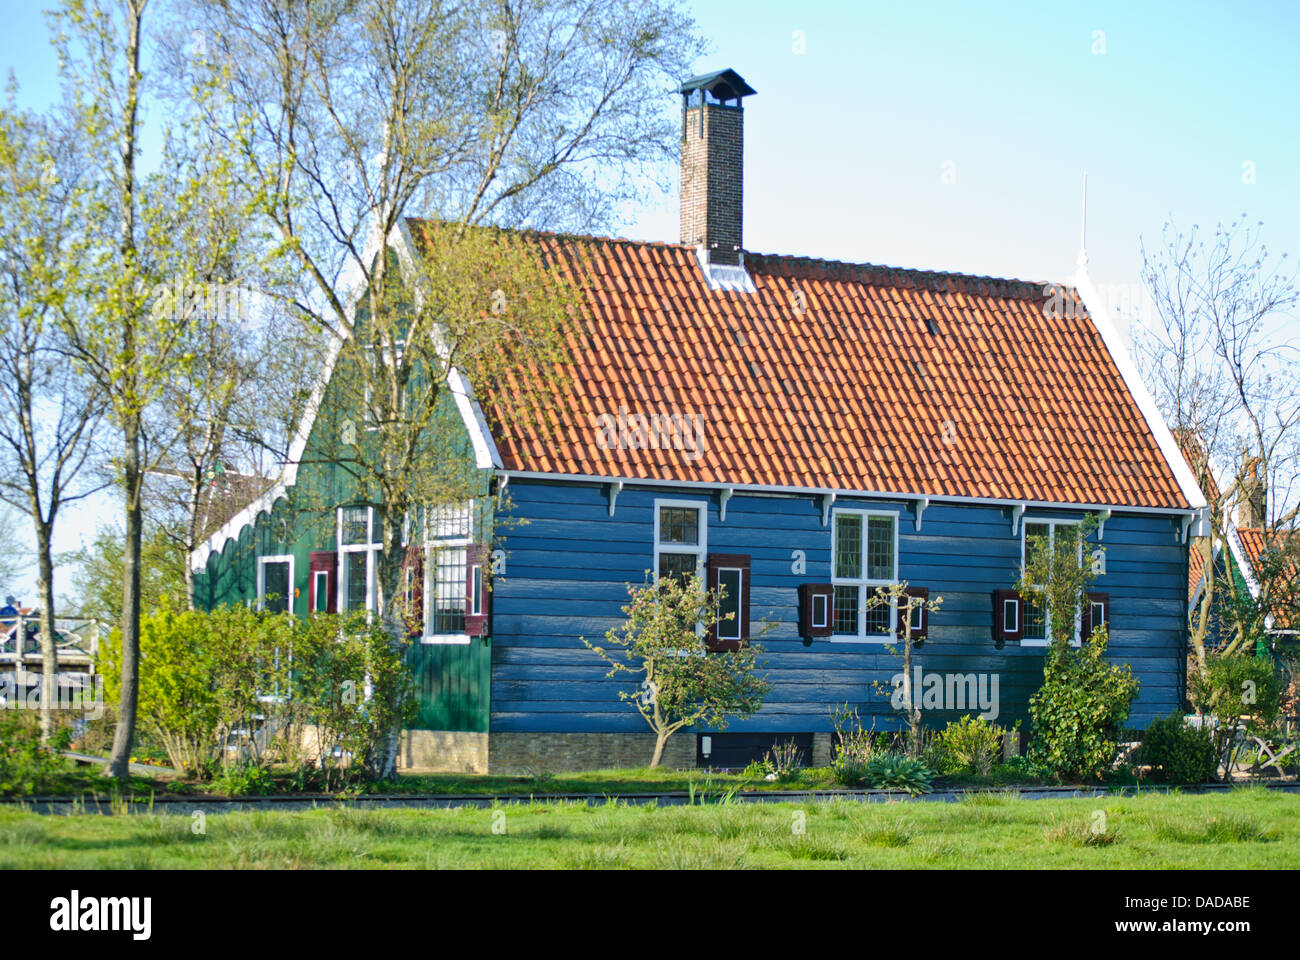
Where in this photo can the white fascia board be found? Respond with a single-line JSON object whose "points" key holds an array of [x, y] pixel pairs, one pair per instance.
{"points": [[795, 491], [1243, 564], [486, 455], [1164, 438]]}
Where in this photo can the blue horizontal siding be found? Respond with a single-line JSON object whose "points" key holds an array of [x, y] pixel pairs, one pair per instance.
{"points": [[569, 563]]}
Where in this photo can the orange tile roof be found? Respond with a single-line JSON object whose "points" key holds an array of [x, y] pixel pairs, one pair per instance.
{"points": [[1286, 586], [1195, 568], [828, 377]]}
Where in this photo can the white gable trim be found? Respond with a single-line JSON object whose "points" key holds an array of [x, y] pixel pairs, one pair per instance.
{"points": [[1243, 564], [1142, 396], [485, 449]]}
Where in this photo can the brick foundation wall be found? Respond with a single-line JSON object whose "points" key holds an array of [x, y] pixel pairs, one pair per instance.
{"points": [[565, 752], [443, 751]]}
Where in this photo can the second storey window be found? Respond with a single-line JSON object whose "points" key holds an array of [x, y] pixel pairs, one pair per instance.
{"points": [[447, 538], [1050, 536], [680, 538], [864, 548], [358, 538]]}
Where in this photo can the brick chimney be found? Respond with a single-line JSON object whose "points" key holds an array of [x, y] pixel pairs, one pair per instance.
{"points": [[713, 164]]}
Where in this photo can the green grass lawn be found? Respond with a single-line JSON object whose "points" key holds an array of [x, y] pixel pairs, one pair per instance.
{"points": [[1246, 828], [88, 783]]}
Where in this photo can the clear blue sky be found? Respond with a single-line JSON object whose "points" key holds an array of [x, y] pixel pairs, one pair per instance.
{"points": [[849, 143]]}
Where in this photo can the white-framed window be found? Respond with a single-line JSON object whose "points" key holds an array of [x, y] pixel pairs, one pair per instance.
{"points": [[358, 540], [1037, 619], [681, 537], [275, 583], [320, 586], [864, 556], [448, 535]]}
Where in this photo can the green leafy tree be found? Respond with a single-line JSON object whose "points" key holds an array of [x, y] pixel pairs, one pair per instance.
{"points": [[682, 683], [1243, 694], [124, 334], [97, 578], [48, 413]]}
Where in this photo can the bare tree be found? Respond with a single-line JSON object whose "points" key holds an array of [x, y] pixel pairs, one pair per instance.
{"points": [[48, 413], [348, 119], [1221, 358]]}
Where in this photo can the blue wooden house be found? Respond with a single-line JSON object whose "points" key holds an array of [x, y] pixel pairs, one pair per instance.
{"points": [[800, 431]]}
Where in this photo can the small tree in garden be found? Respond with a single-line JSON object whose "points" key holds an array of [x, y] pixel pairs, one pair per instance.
{"points": [[1243, 693], [682, 682], [1078, 712], [905, 698]]}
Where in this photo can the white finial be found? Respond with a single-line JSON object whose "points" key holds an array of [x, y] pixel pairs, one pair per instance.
{"points": [[1083, 229]]}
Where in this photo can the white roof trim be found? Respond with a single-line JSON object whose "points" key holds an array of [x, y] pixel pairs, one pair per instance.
{"points": [[773, 489], [1243, 563], [485, 449], [486, 454], [1137, 387]]}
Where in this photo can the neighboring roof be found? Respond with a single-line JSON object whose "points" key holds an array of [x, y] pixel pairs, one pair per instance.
{"points": [[1195, 569], [1255, 542], [844, 376]]}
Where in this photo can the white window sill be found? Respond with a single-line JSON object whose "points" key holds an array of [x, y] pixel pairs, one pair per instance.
{"points": [[877, 639], [446, 639], [1044, 643]]}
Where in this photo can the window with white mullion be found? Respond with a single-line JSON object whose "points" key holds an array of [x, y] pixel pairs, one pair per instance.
{"points": [[865, 557], [358, 552], [448, 535], [1037, 614], [681, 538]]}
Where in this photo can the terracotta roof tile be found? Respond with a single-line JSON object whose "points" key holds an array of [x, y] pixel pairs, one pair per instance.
{"points": [[850, 392]]}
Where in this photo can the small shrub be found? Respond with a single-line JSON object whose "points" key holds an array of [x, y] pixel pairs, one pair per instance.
{"points": [[970, 745], [894, 772], [848, 770], [785, 760], [26, 767], [855, 746], [244, 780], [1078, 712], [1241, 691], [1177, 752]]}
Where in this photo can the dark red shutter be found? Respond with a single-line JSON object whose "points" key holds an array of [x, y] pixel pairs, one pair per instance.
{"points": [[714, 565], [1087, 624], [808, 594], [918, 636], [1003, 628], [326, 561], [478, 561], [413, 600]]}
